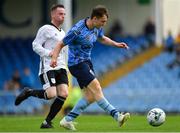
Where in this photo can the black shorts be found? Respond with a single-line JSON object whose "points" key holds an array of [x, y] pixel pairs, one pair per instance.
{"points": [[53, 78], [83, 72]]}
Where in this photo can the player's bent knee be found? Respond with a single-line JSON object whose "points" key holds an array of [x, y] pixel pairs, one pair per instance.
{"points": [[90, 98], [51, 92], [51, 96], [65, 94], [62, 90], [98, 90]]}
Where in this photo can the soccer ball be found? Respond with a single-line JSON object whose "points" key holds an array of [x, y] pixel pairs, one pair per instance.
{"points": [[156, 117]]}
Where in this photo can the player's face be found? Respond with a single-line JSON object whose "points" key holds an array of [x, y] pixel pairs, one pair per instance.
{"points": [[58, 15], [100, 22]]}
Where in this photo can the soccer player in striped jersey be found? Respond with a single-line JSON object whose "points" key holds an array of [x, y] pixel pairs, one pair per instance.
{"points": [[54, 80], [81, 39]]}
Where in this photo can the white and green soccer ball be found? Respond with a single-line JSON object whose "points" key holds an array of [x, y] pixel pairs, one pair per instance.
{"points": [[156, 117]]}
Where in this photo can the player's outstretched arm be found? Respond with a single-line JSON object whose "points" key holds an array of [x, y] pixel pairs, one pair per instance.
{"points": [[55, 53], [106, 40]]}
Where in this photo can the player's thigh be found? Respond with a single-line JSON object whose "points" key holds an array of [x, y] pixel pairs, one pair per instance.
{"points": [[51, 92], [61, 82], [95, 88], [83, 72], [62, 90]]}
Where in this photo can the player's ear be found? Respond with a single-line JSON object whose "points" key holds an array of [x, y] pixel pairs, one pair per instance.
{"points": [[94, 18]]}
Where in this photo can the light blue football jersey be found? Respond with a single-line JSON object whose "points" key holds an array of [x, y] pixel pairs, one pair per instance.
{"points": [[80, 40]]}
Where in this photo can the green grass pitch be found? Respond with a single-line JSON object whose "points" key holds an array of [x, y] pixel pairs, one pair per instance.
{"points": [[88, 123]]}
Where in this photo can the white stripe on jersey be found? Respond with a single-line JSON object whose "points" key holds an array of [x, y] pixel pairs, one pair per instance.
{"points": [[45, 41]]}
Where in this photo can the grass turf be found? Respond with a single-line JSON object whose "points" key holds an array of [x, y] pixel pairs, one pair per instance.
{"points": [[88, 123]]}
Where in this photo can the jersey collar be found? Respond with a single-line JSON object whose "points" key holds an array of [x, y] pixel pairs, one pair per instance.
{"points": [[55, 26], [85, 22]]}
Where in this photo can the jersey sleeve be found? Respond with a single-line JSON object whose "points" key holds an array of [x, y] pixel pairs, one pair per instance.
{"points": [[100, 33], [38, 42], [70, 37]]}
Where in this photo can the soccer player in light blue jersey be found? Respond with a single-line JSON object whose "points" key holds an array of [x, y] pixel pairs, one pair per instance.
{"points": [[81, 39]]}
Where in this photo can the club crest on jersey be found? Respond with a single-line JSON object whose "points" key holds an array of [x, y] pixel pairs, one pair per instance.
{"points": [[53, 80], [88, 38]]}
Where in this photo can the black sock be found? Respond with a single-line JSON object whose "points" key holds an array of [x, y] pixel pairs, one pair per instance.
{"points": [[55, 108], [39, 93]]}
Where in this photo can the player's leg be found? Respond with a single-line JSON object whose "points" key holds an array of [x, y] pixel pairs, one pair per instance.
{"points": [[96, 90], [93, 92], [47, 82], [81, 105], [84, 76], [56, 105], [62, 93]]}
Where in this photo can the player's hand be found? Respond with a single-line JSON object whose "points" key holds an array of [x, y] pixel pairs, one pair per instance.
{"points": [[53, 62], [122, 45]]}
